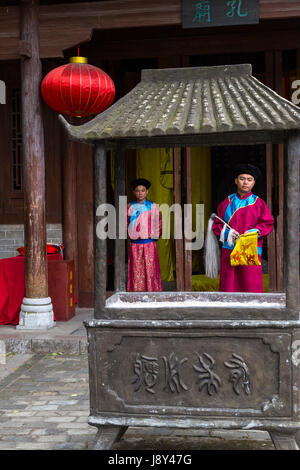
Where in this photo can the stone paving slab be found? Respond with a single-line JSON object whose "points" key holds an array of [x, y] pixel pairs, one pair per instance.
{"points": [[44, 405], [10, 362]]}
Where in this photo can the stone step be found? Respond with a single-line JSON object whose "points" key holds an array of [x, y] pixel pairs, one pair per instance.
{"points": [[65, 337]]}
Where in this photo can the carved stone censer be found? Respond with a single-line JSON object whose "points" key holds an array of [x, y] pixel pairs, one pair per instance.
{"points": [[203, 360]]}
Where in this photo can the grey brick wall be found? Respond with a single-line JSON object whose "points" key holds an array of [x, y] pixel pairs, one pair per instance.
{"points": [[12, 237]]}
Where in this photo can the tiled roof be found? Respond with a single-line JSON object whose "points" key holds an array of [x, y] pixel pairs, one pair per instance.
{"points": [[189, 101]]}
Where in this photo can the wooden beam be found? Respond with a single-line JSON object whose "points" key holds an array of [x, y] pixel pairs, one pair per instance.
{"points": [[275, 185], [25, 49], [85, 224], [36, 271], [269, 10], [199, 140], [62, 26], [247, 40], [70, 206]]}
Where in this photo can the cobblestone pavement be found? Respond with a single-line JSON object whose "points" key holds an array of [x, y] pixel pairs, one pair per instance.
{"points": [[44, 404]]}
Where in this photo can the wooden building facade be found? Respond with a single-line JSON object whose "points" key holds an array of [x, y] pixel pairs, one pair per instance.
{"points": [[124, 37]]}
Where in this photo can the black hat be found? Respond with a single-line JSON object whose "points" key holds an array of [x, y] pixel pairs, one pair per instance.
{"points": [[246, 168], [140, 182]]}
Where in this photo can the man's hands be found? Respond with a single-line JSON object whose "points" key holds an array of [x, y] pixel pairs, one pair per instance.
{"points": [[235, 234]]}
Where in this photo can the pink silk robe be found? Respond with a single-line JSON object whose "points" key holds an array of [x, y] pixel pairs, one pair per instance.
{"points": [[242, 213], [144, 227]]}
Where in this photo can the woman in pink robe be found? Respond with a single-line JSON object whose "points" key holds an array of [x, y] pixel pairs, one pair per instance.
{"points": [[144, 229], [243, 211]]}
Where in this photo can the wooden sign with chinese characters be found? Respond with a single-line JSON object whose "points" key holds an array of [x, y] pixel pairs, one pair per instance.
{"points": [[205, 13]]}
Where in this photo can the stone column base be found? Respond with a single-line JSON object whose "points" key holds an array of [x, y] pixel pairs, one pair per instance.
{"points": [[36, 314]]}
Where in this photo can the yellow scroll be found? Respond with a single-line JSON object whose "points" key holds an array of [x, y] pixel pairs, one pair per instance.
{"points": [[245, 251]]}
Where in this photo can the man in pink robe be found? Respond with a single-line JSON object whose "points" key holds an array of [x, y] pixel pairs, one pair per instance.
{"points": [[144, 229], [243, 212]]}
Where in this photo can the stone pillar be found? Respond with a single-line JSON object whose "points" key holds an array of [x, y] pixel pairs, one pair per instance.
{"points": [[36, 310], [121, 213], [292, 222], [100, 259]]}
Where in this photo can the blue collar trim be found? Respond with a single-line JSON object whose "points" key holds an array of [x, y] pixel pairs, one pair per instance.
{"points": [[236, 203], [138, 208]]}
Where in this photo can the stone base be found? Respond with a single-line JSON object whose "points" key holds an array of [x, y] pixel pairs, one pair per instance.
{"points": [[36, 314]]}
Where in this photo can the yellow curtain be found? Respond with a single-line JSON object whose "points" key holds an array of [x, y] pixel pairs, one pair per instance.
{"points": [[156, 165]]}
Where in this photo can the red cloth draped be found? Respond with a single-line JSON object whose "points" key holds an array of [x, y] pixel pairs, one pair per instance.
{"points": [[12, 287]]}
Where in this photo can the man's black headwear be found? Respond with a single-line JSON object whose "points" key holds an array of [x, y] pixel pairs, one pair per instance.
{"points": [[246, 168], [140, 182]]}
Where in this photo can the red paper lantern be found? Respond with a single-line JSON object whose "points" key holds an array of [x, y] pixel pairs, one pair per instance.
{"points": [[78, 89]]}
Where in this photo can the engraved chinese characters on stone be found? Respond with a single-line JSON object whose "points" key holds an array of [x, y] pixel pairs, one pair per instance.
{"points": [[239, 375], [173, 380], [207, 378], [146, 370]]}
